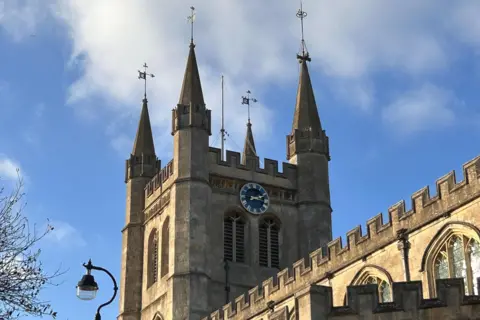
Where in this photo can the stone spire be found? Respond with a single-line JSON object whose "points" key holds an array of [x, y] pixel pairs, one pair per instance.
{"points": [[144, 139], [306, 114], [191, 111], [249, 151], [191, 88], [307, 134]]}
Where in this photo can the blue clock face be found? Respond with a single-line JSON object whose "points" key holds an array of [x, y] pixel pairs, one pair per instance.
{"points": [[254, 198]]}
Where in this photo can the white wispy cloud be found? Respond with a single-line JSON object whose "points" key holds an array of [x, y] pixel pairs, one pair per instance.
{"points": [[427, 108], [253, 43], [20, 18], [65, 235], [9, 168]]}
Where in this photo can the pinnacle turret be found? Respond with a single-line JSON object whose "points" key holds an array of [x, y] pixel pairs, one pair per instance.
{"points": [[191, 92], [144, 138], [249, 151], [191, 111], [306, 114]]}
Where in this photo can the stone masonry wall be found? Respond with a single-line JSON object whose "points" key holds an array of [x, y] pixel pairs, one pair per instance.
{"points": [[453, 202], [315, 303]]}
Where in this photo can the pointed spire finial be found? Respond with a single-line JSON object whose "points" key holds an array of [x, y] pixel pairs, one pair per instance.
{"points": [[303, 55], [143, 75], [191, 19], [246, 100]]}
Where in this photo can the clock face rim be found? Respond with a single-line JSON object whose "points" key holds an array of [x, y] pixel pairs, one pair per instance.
{"points": [[266, 201]]}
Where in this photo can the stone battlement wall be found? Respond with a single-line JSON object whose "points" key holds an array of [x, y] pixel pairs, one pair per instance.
{"points": [[157, 181], [315, 302], [270, 167], [324, 262]]}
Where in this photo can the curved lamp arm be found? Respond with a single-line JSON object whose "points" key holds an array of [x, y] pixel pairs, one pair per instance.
{"points": [[89, 266]]}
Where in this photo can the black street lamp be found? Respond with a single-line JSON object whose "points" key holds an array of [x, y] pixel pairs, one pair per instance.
{"points": [[87, 287]]}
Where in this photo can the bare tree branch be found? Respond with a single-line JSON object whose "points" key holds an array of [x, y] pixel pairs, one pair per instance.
{"points": [[22, 276]]}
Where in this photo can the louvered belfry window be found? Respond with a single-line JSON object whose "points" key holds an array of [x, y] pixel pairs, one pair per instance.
{"points": [[234, 238], [269, 245], [152, 257], [165, 247]]}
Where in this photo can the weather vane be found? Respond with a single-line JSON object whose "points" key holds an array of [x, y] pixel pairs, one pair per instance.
{"points": [[246, 100], [143, 75], [302, 15], [191, 19]]}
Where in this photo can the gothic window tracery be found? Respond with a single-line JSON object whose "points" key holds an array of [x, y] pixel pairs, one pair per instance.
{"points": [[384, 289], [234, 238], [165, 247], [459, 257], [378, 276], [152, 251], [269, 250]]}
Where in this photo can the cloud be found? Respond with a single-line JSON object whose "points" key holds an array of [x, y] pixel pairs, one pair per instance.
{"points": [[65, 235], [8, 168], [427, 108], [253, 43], [20, 18]]}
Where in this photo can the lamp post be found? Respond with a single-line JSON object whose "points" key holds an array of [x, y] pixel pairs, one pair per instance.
{"points": [[87, 287]]}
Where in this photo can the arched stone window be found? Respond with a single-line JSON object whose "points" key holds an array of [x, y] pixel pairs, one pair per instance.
{"points": [[152, 252], [234, 237], [269, 248], [165, 247], [454, 252], [375, 275]]}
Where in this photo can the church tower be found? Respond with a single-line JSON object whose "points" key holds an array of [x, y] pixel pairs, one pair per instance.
{"points": [[140, 168], [308, 149], [202, 230], [191, 193]]}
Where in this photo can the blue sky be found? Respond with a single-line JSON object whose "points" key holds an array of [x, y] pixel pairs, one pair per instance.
{"points": [[396, 85]]}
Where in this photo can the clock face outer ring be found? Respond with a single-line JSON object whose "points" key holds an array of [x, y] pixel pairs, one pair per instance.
{"points": [[266, 199]]}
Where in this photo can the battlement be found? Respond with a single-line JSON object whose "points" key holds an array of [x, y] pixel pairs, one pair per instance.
{"points": [[316, 302], [270, 167], [159, 179], [323, 263]]}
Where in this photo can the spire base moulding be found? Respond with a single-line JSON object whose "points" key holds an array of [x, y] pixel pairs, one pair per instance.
{"points": [[305, 141]]}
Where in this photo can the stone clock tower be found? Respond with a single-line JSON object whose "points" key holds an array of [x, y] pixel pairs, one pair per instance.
{"points": [[202, 230]]}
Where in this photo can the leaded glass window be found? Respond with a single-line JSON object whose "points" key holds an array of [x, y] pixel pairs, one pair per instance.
{"points": [[384, 289], [459, 257]]}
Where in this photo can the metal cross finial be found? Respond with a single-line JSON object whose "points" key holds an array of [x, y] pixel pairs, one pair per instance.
{"points": [[246, 100], [191, 19], [304, 56], [143, 75]]}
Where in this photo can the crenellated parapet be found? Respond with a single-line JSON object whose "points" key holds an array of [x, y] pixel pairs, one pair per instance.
{"points": [[316, 303], [324, 262], [159, 179], [270, 167], [301, 141], [141, 166], [193, 115]]}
